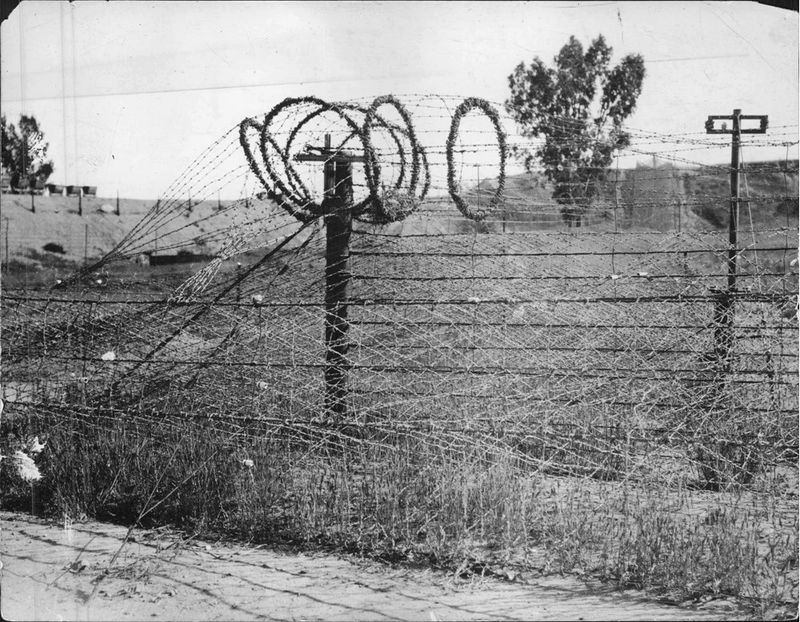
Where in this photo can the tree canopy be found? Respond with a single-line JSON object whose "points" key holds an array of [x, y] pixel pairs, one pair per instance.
{"points": [[578, 107], [24, 151]]}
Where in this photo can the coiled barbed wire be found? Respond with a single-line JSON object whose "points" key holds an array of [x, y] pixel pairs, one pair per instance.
{"points": [[381, 205]]}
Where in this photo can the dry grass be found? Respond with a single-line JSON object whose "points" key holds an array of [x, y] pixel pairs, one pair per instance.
{"points": [[472, 510]]}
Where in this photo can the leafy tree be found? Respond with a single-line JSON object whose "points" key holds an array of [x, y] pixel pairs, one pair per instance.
{"points": [[24, 151], [578, 106]]}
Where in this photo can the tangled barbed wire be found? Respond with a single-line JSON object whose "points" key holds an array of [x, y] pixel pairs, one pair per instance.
{"points": [[590, 354], [381, 204]]}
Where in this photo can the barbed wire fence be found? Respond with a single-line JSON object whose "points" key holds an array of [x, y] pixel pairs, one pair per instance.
{"points": [[413, 304]]}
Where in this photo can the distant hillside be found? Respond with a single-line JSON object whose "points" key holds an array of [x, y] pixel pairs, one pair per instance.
{"points": [[56, 234], [56, 221], [658, 197], [664, 197]]}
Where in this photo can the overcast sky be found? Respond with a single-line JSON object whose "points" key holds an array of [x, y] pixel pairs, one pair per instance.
{"points": [[127, 93]]}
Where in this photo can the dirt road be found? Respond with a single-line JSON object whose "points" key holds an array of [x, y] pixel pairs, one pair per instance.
{"points": [[56, 572]]}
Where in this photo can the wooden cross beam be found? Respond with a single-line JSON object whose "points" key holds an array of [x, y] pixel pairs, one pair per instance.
{"points": [[761, 118], [326, 153], [330, 157]]}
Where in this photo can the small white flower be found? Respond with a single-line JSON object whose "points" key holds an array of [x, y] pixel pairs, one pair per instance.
{"points": [[109, 356], [258, 299], [262, 385], [248, 463], [26, 467], [59, 281], [35, 446]]}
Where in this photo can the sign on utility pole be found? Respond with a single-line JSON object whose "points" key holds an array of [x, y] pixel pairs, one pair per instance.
{"points": [[724, 312]]}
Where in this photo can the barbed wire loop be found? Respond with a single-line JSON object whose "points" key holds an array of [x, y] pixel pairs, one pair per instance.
{"points": [[469, 104], [383, 203]]}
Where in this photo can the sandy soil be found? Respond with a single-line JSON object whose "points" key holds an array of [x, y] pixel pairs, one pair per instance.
{"points": [[57, 572]]}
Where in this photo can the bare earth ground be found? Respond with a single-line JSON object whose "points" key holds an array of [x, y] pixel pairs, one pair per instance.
{"points": [[49, 572]]}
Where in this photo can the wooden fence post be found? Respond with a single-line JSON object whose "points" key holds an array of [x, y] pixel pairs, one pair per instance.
{"points": [[724, 308], [337, 207], [338, 224]]}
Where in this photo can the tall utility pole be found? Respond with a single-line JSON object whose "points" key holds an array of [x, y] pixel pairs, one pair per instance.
{"points": [[338, 203], [724, 311]]}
